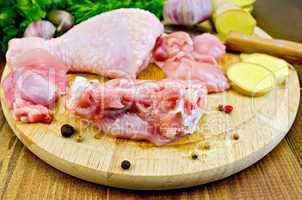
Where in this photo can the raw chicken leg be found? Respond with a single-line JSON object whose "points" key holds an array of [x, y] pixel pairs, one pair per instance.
{"points": [[114, 44]]}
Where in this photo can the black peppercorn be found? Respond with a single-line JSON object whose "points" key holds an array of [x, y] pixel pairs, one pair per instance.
{"points": [[221, 107], [235, 136], [125, 164], [67, 130], [194, 156], [205, 146]]}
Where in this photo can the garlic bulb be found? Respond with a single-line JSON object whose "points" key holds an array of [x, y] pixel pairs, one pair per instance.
{"points": [[62, 19], [42, 28], [187, 12]]}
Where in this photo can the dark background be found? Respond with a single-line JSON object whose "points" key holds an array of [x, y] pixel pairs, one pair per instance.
{"points": [[280, 18]]}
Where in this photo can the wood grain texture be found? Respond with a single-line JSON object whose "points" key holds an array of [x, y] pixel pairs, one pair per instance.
{"points": [[259, 122], [277, 176]]}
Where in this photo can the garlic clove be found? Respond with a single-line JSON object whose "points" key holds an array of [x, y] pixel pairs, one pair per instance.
{"points": [[62, 19], [42, 28]]}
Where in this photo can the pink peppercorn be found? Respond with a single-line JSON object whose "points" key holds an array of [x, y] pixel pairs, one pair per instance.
{"points": [[228, 109]]}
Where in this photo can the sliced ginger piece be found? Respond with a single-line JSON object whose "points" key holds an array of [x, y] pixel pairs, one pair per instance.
{"points": [[251, 79], [229, 17], [278, 66], [240, 3]]}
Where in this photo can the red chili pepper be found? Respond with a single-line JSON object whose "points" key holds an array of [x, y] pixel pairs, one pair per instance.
{"points": [[228, 109]]}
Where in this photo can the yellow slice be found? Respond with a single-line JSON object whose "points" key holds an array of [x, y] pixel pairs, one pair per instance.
{"points": [[240, 3], [251, 79], [229, 17], [278, 66]]}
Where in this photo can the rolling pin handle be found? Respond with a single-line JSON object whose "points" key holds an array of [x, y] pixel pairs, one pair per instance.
{"points": [[239, 42]]}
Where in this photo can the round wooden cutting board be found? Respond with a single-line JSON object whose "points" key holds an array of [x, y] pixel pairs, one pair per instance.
{"points": [[224, 143]]}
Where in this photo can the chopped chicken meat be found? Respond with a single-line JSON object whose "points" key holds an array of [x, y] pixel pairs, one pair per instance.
{"points": [[157, 111]]}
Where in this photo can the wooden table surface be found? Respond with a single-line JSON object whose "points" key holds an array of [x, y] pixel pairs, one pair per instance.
{"points": [[277, 176]]}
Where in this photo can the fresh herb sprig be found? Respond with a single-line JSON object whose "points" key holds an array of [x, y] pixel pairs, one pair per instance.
{"points": [[15, 15]]}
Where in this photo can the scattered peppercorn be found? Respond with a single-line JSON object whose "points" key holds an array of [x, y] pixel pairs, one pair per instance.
{"points": [[235, 136], [283, 84], [221, 107], [97, 136], [228, 109], [79, 138], [194, 156], [125, 164], [205, 146], [67, 130]]}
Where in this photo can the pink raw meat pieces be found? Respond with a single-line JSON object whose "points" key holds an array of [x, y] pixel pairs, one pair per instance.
{"points": [[182, 58], [117, 44], [34, 83], [157, 111], [113, 44]]}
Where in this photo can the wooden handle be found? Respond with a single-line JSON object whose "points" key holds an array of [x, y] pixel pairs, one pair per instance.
{"points": [[291, 51]]}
